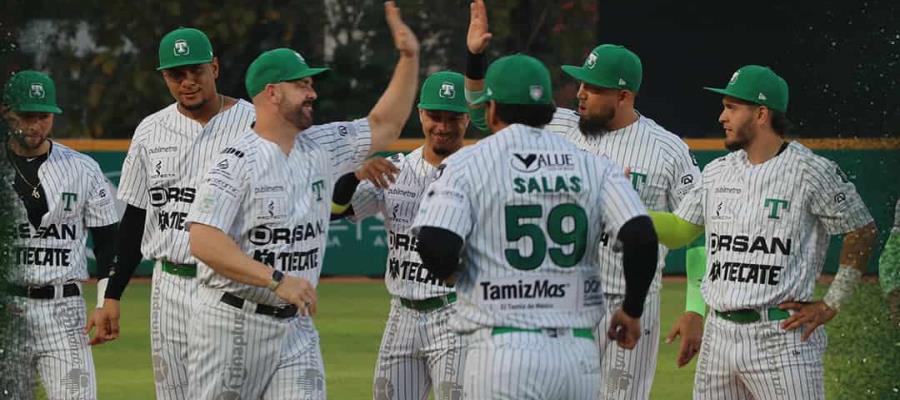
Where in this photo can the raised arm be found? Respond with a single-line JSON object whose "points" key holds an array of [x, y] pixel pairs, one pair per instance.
{"points": [[477, 40], [390, 113]]}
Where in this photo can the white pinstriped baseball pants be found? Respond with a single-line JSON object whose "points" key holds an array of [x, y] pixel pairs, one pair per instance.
{"points": [[628, 374], [238, 354], [419, 351], [760, 361], [170, 310], [531, 366]]}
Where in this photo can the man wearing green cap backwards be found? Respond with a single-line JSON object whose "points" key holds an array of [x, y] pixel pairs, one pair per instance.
{"points": [[260, 222], [662, 171], [169, 152], [418, 351], [523, 207], [768, 209], [62, 195]]}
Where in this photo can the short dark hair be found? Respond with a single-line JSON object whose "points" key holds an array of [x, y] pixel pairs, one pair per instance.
{"points": [[536, 115], [780, 123]]}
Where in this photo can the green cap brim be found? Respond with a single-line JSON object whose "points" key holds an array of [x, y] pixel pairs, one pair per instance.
{"points": [[581, 74], [725, 92], [306, 73], [443, 107], [37, 108], [183, 63]]}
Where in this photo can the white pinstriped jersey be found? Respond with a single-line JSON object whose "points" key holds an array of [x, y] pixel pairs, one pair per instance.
{"points": [[663, 171], [168, 156], [78, 197], [768, 225], [530, 205], [277, 208], [405, 277]]}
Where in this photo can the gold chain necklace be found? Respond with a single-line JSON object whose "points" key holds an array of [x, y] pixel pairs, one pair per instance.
{"points": [[34, 188]]}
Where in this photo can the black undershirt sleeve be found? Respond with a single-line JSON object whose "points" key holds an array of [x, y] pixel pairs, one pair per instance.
{"points": [[104, 238], [343, 193], [439, 250], [131, 232], [639, 256]]}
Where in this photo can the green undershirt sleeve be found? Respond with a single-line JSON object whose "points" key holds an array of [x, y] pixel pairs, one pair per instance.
{"points": [[695, 266], [672, 231]]}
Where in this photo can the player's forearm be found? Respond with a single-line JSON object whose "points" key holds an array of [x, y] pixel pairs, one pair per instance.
{"points": [[640, 253], [439, 250], [218, 251], [695, 266], [343, 194], [474, 88], [392, 110], [672, 231], [858, 246], [104, 238], [128, 251]]}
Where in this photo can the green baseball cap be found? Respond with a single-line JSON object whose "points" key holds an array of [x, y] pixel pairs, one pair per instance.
{"points": [[31, 91], [758, 85], [184, 46], [609, 66], [443, 91], [274, 66], [517, 79]]}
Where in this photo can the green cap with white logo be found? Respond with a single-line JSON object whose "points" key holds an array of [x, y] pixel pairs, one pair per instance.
{"points": [[758, 85], [517, 79], [443, 91], [274, 66], [31, 91], [609, 66], [184, 46]]}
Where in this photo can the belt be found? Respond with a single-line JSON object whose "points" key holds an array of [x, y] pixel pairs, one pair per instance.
{"points": [[187, 270], [585, 333], [277, 312], [45, 292], [749, 315], [431, 303]]}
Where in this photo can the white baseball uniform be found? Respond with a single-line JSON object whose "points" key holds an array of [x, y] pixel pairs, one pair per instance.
{"points": [[662, 172], [530, 206], [78, 197], [276, 207], [767, 232], [168, 156], [418, 350]]}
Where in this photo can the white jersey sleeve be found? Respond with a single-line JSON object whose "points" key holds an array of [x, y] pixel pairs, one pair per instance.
{"points": [[133, 183], [446, 203], [692, 207], [99, 209], [347, 142], [618, 200], [834, 199], [685, 176], [221, 193]]}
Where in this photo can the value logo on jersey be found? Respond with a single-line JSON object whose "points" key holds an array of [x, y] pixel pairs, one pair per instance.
{"points": [[775, 206], [533, 162], [69, 199]]}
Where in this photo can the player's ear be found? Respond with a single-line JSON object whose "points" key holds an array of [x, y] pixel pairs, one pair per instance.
{"points": [[215, 67]]}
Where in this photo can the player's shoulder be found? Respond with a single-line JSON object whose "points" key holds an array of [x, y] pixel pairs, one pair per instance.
{"points": [[74, 158], [662, 136], [154, 123], [812, 164], [564, 120]]}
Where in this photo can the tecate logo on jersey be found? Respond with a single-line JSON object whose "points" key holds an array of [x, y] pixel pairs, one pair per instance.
{"points": [[746, 244], [412, 271], [533, 162], [745, 273]]}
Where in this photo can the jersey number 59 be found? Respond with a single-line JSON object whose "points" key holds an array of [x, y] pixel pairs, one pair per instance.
{"points": [[566, 225]]}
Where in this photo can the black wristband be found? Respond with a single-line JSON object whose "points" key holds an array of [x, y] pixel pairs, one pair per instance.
{"points": [[475, 66]]}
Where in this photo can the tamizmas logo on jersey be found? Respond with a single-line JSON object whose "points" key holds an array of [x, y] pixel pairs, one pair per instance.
{"points": [[538, 289], [533, 162]]}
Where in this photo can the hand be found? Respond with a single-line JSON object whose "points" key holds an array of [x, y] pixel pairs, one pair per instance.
{"points": [[404, 38], [810, 315], [379, 171], [299, 292], [690, 327], [106, 320], [624, 329], [478, 37]]}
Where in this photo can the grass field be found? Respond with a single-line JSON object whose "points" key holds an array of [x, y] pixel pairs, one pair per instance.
{"points": [[350, 322]]}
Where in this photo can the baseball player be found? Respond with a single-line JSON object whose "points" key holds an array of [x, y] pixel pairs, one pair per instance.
{"points": [[418, 350], [661, 169], [169, 152], [260, 224], [889, 268], [768, 209], [529, 290], [62, 196]]}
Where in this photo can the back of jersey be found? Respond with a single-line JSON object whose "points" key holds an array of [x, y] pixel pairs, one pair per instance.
{"points": [[531, 207]]}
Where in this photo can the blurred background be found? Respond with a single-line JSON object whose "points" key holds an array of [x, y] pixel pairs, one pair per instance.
{"points": [[841, 58]]}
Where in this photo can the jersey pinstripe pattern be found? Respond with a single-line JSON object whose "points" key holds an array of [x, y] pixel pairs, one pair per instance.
{"points": [[166, 160], [418, 350], [532, 173], [276, 207], [768, 226], [399, 204], [767, 231], [78, 197], [663, 171]]}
